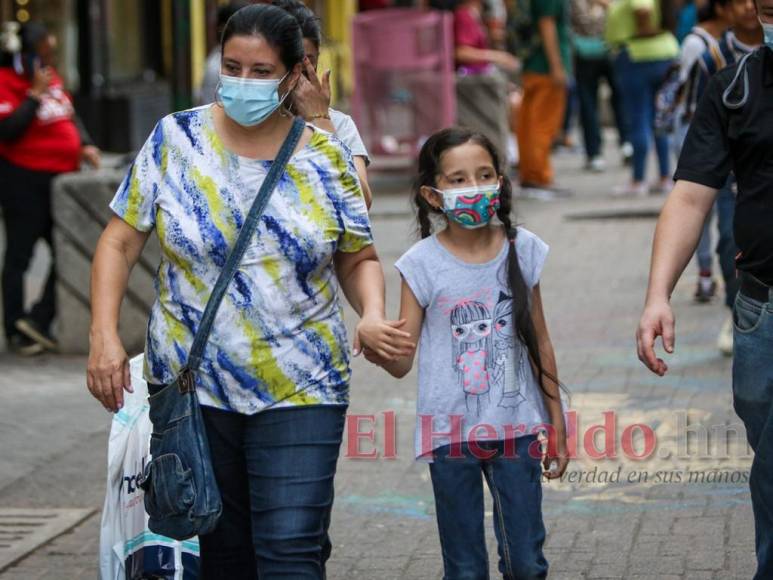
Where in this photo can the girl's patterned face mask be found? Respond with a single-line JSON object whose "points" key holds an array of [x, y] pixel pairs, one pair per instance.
{"points": [[471, 207]]}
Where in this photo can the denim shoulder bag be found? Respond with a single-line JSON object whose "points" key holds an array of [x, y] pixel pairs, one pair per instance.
{"points": [[181, 494]]}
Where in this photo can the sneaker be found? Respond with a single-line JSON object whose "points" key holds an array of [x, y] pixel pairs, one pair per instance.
{"points": [[705, 290], [626, 150], [596, 165], [32, 330], [725, 339], [632, 189], [23, 346], [664, 185]]}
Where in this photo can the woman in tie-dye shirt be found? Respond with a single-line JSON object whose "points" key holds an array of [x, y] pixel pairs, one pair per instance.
{"points": [[275, 375]]}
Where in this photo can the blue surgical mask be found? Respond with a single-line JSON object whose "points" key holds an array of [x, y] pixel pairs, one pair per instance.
{"points": [[767, 29], [249, 102], [471, 207]]}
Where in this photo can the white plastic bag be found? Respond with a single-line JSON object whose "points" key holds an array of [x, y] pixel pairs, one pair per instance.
{"points": [[128, 549]]}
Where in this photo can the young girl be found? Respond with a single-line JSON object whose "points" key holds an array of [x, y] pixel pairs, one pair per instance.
{"points": [[472, 293]]}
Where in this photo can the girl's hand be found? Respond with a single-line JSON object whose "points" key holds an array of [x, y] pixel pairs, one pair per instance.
{"points": [[383, 337], [556, 460], [373, 358], [108, 371]]}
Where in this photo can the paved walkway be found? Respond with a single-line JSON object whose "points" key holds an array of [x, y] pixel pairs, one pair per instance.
{"points": [[682, 513]]}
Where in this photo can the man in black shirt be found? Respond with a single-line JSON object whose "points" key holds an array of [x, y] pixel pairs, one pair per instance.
{"points": [[732, 131]]}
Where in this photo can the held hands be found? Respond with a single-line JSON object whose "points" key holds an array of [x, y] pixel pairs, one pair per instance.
{"points": [[108, 371], [656, 320], [382, 340], [312, 94]]}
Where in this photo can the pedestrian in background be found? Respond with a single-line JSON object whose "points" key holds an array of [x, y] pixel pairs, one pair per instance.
{"points": [[641, 33], [704, 39], [40, 138], [593, 63], [742, 39], [546, 73], [731, 132], [311, 98]]}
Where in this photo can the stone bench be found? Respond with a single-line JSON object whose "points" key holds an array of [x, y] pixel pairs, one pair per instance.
{"points": [[80, 209]]}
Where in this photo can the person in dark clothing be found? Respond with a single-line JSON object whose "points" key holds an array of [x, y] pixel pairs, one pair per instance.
{"points": [[731, 131], [40, 138]]}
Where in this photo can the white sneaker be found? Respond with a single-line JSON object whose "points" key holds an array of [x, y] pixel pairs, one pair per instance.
{"points": [[725, 339], [597, 165], [631, 189]]}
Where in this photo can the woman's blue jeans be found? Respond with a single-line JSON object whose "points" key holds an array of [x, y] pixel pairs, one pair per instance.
{"points": [[753, 401], [639, 81], [275, 472], [516, 487]]}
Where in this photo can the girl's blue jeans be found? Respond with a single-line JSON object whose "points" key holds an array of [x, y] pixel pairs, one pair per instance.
{"points": [[515, 484], [639, 81], [275, 472]]}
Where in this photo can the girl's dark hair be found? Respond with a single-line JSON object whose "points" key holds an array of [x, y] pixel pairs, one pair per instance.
{"points": [[429, 168], [307, 20], [278, 27]]}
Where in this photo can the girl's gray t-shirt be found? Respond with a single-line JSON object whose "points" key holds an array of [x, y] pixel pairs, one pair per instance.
{"points": [[475, 380]]}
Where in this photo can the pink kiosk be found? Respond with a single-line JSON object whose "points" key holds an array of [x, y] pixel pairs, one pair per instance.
{"points": [[403, 81]]}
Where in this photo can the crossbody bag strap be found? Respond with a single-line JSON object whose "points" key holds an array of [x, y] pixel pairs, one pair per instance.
{"points": [[248, 229]]}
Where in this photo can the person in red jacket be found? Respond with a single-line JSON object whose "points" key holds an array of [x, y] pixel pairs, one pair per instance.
{"points": [[40, 138]]}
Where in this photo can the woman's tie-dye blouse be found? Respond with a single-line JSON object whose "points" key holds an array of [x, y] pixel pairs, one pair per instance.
{"points": [[279, 337]]}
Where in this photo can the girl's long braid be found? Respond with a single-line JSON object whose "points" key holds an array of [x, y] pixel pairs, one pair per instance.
{"points": [[521, 294]]}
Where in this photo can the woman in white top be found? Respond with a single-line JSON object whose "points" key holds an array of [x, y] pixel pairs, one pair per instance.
{"points": [[311, 98]]}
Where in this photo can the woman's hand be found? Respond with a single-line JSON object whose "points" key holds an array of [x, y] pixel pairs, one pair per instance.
{"points": [[311, 96], [91, 155], [383, 338], [108, 371]]}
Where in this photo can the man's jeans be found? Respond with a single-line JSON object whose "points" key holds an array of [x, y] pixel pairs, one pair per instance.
{"points": [[275, 471], [753, 401], [515, 484]]}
